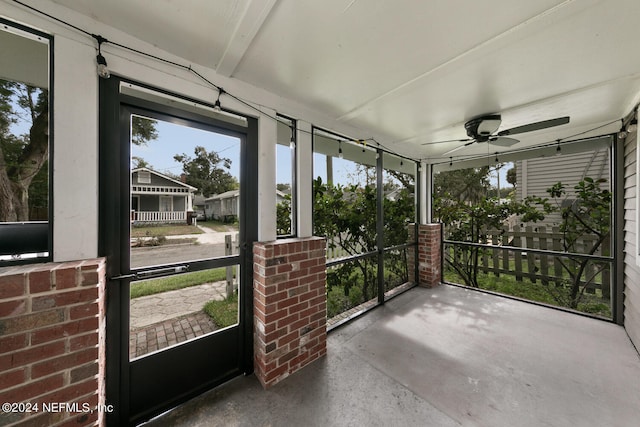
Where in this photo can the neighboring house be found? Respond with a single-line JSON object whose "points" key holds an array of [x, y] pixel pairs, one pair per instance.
{"points": [[225, 206], [159, 198], [395, 194], [535, 176]]}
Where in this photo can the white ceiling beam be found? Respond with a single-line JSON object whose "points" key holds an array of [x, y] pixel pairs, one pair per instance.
{"points": [[248, 26]]}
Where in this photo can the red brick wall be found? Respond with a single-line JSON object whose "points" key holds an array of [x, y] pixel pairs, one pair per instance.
{"points": [[290, 306], [429, 255], [52, 342]]}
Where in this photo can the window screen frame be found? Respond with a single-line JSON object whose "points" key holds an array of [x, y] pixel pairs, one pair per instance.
{"points": [[21, 233]]}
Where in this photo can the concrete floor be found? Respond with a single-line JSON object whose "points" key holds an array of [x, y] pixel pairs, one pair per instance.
{"points": [[445, 357]]}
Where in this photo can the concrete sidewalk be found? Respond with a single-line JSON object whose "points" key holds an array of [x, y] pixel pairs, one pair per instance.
{"points": [[162, 320], [156, 308]]}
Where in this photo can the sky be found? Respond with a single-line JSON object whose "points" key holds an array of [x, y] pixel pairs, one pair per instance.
{"points": [[177, 139]]}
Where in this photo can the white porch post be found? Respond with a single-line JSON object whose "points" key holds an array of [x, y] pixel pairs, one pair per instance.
{"points": [[304, 180], [267, 137]]}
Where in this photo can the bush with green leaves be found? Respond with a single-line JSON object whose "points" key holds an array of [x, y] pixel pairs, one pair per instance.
{"points": [[586, 213], [346, 216]]}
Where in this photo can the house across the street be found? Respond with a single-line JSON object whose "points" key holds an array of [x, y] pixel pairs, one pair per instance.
{"points": [[159, 198], [225, 206]]}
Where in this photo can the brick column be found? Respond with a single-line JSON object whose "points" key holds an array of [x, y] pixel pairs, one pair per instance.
{"points": [[52, 342], [289, 306], [429, 255]]}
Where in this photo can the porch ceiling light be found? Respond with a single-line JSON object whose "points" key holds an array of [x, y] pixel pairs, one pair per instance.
{"points": [[217, 107], [103, 71]]}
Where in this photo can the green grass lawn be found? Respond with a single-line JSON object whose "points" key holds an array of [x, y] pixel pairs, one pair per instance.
{"points": [[164, 230], [223, 313], [179, 281], [508, 285]]}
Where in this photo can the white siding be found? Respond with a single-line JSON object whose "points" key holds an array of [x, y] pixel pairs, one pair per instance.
{"points": [[542, 173], [631, 269], [569, 169]]}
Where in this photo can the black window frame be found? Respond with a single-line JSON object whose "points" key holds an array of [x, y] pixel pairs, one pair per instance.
{"points": [[33, 236]]}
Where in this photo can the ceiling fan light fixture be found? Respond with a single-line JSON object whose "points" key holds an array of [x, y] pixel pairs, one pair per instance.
{"points": [[483, 126], [487, 127]]}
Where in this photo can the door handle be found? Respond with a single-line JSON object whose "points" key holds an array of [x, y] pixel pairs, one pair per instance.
{"points": [[147, 274], [123, 276]]}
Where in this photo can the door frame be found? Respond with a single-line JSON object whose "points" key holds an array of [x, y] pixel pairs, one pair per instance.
{"points": [[113, 218]]}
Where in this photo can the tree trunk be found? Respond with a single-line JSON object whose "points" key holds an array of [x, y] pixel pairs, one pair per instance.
{"points": [[15, 180], [7, 202]]}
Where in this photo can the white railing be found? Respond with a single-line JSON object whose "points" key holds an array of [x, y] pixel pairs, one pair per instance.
{"points": [[151, 216]]}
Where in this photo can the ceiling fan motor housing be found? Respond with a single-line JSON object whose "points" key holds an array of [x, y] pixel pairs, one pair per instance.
{"points": [[481, 128]]}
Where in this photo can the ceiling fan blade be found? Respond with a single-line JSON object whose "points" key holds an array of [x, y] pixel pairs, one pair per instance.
{"points": [[460, 147], [535, 126], [448, 140], [502, 141]]}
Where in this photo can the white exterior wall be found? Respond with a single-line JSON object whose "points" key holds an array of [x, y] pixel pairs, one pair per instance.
{"points": [[631, 259], [534, 176], [75, 152]]}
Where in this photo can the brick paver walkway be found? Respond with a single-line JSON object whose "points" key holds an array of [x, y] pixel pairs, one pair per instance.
{"points": [[169, 332]]}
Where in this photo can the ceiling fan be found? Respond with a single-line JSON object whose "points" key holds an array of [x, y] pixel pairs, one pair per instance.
{"points": [[483, 128]]}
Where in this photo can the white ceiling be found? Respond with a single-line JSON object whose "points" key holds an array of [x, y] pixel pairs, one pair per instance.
{"points": [[410, 72]]}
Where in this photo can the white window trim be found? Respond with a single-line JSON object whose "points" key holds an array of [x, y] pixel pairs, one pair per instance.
{"points": [[144, 177]]}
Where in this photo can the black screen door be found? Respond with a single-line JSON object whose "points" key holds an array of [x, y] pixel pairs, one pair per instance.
{"points": [[176, 227]]}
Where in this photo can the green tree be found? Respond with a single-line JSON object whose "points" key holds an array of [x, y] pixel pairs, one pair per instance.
{"points": [[143, 130], [346, 216], [24, 166], [465, 222], [207, 171], [589, 214], [285, 188], [512, 177], [22, 157], [585, 227], [139, 162], [283, 216], [466, 185]]}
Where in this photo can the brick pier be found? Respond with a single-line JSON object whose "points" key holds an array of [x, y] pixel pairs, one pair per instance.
{"points": [[52, 341], [290, 306], [429, 254]]}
